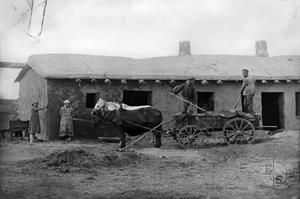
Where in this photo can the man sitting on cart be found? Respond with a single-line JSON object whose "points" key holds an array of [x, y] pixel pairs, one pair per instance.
{"points": [[188, 92]]}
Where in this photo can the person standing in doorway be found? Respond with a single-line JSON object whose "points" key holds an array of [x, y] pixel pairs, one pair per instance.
{"points": [[34, 123], [247, 91], [66, 113], [188, 92]]}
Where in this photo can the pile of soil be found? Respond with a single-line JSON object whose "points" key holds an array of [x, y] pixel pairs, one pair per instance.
{"points": [[75, 158], [80, 160]]}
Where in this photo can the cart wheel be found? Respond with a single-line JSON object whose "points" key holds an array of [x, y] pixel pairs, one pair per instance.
{"points": [[239, 131], [188, 134]]}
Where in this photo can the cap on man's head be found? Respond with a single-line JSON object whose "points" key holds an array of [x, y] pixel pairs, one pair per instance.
{"points": [[192, 79], [245, 70], [66, 102]]}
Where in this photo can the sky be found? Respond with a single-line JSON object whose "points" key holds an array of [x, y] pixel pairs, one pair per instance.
{"points": [[151, 28]]}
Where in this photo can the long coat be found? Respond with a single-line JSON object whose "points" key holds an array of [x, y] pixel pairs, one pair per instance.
{"points": [[66, 121]]}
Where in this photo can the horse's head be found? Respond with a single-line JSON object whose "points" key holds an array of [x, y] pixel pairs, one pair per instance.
{"points": [[100, 106]]}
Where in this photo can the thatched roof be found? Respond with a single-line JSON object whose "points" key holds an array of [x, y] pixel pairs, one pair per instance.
{"points": [[209, 67]]}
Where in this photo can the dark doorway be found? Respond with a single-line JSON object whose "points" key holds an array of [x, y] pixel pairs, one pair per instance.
{"points": [[205, 101], [272, 110], [137, 98]]}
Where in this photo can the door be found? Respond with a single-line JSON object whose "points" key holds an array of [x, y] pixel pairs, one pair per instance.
{"points": [[272, 110]]}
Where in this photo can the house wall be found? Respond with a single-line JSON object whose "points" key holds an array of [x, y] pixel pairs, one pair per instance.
{"points": [[290, 120], [225, 97], [33, 87], [60, 90]]}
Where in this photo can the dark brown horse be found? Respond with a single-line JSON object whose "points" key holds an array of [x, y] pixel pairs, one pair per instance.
{"points": [[134, 120]]}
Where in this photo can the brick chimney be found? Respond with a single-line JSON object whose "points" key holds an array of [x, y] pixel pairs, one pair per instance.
{"points": [[184, 48], [261, 48]]}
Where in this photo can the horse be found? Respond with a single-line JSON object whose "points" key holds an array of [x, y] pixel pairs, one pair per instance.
{"points": [[134, 120]]}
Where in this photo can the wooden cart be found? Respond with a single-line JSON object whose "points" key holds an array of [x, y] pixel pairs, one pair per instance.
{"points": [[237, 127]]}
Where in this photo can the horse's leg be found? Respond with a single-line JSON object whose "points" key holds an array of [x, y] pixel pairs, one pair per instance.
{"points": [[157, 135], [122, 137], [152, 139]]}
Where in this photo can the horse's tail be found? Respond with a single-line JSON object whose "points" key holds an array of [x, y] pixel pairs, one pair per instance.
{"points": [[158, 131]]}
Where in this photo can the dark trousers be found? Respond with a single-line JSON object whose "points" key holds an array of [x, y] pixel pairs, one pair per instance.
{"points": [[247, 105], [187, 107]]}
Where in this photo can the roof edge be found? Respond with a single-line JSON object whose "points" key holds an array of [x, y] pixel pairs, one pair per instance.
{"points": [[158, 77]]}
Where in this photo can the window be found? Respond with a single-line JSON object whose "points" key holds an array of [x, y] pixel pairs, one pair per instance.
{"points": [[205, 101], [297, 103], [91, 100], [137, 98]]}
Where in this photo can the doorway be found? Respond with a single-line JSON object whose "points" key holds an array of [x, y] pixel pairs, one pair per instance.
{"points": [[272, 110], [137, 98], [205, 101]]}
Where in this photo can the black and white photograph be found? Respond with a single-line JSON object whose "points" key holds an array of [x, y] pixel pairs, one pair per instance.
{"points": [[150, 99]]}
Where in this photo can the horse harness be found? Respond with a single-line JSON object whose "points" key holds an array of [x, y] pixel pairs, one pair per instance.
{"points": [[120, 118]]}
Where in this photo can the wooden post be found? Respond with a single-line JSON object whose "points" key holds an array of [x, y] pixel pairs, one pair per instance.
{"points": [[172, 81], [220, 82], [204, 82], [157, 81], [141, 81], [107, 81]]}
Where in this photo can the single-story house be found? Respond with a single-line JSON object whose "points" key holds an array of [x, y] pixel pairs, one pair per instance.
{"points": [[52, 78]]}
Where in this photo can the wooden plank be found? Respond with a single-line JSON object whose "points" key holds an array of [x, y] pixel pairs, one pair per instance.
{"points": [[18, 125]]}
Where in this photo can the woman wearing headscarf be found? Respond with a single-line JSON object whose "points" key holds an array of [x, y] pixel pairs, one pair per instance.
{"points": [[34, 123], [66, 113]]}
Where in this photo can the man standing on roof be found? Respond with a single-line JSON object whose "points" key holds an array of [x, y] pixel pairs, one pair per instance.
{"points": [[247, 91], [188, 92]]}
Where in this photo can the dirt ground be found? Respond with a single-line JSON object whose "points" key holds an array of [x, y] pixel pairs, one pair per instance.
{"points": [[208, 170]]}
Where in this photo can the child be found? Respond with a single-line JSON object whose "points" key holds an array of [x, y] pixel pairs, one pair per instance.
{"points": [[34, 124]]}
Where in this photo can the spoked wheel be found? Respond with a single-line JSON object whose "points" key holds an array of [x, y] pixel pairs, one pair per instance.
{"points": [[239, 131], [188, 134]]}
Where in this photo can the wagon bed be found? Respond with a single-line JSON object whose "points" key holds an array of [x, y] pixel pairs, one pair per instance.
{"points": [[237, 127]]}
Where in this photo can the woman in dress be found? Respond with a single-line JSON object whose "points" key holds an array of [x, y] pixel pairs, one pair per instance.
{"points": [[66, 113], [34, 123]]}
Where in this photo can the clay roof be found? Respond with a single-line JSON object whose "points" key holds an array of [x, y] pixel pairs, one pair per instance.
{"points": [[210, 67]]}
